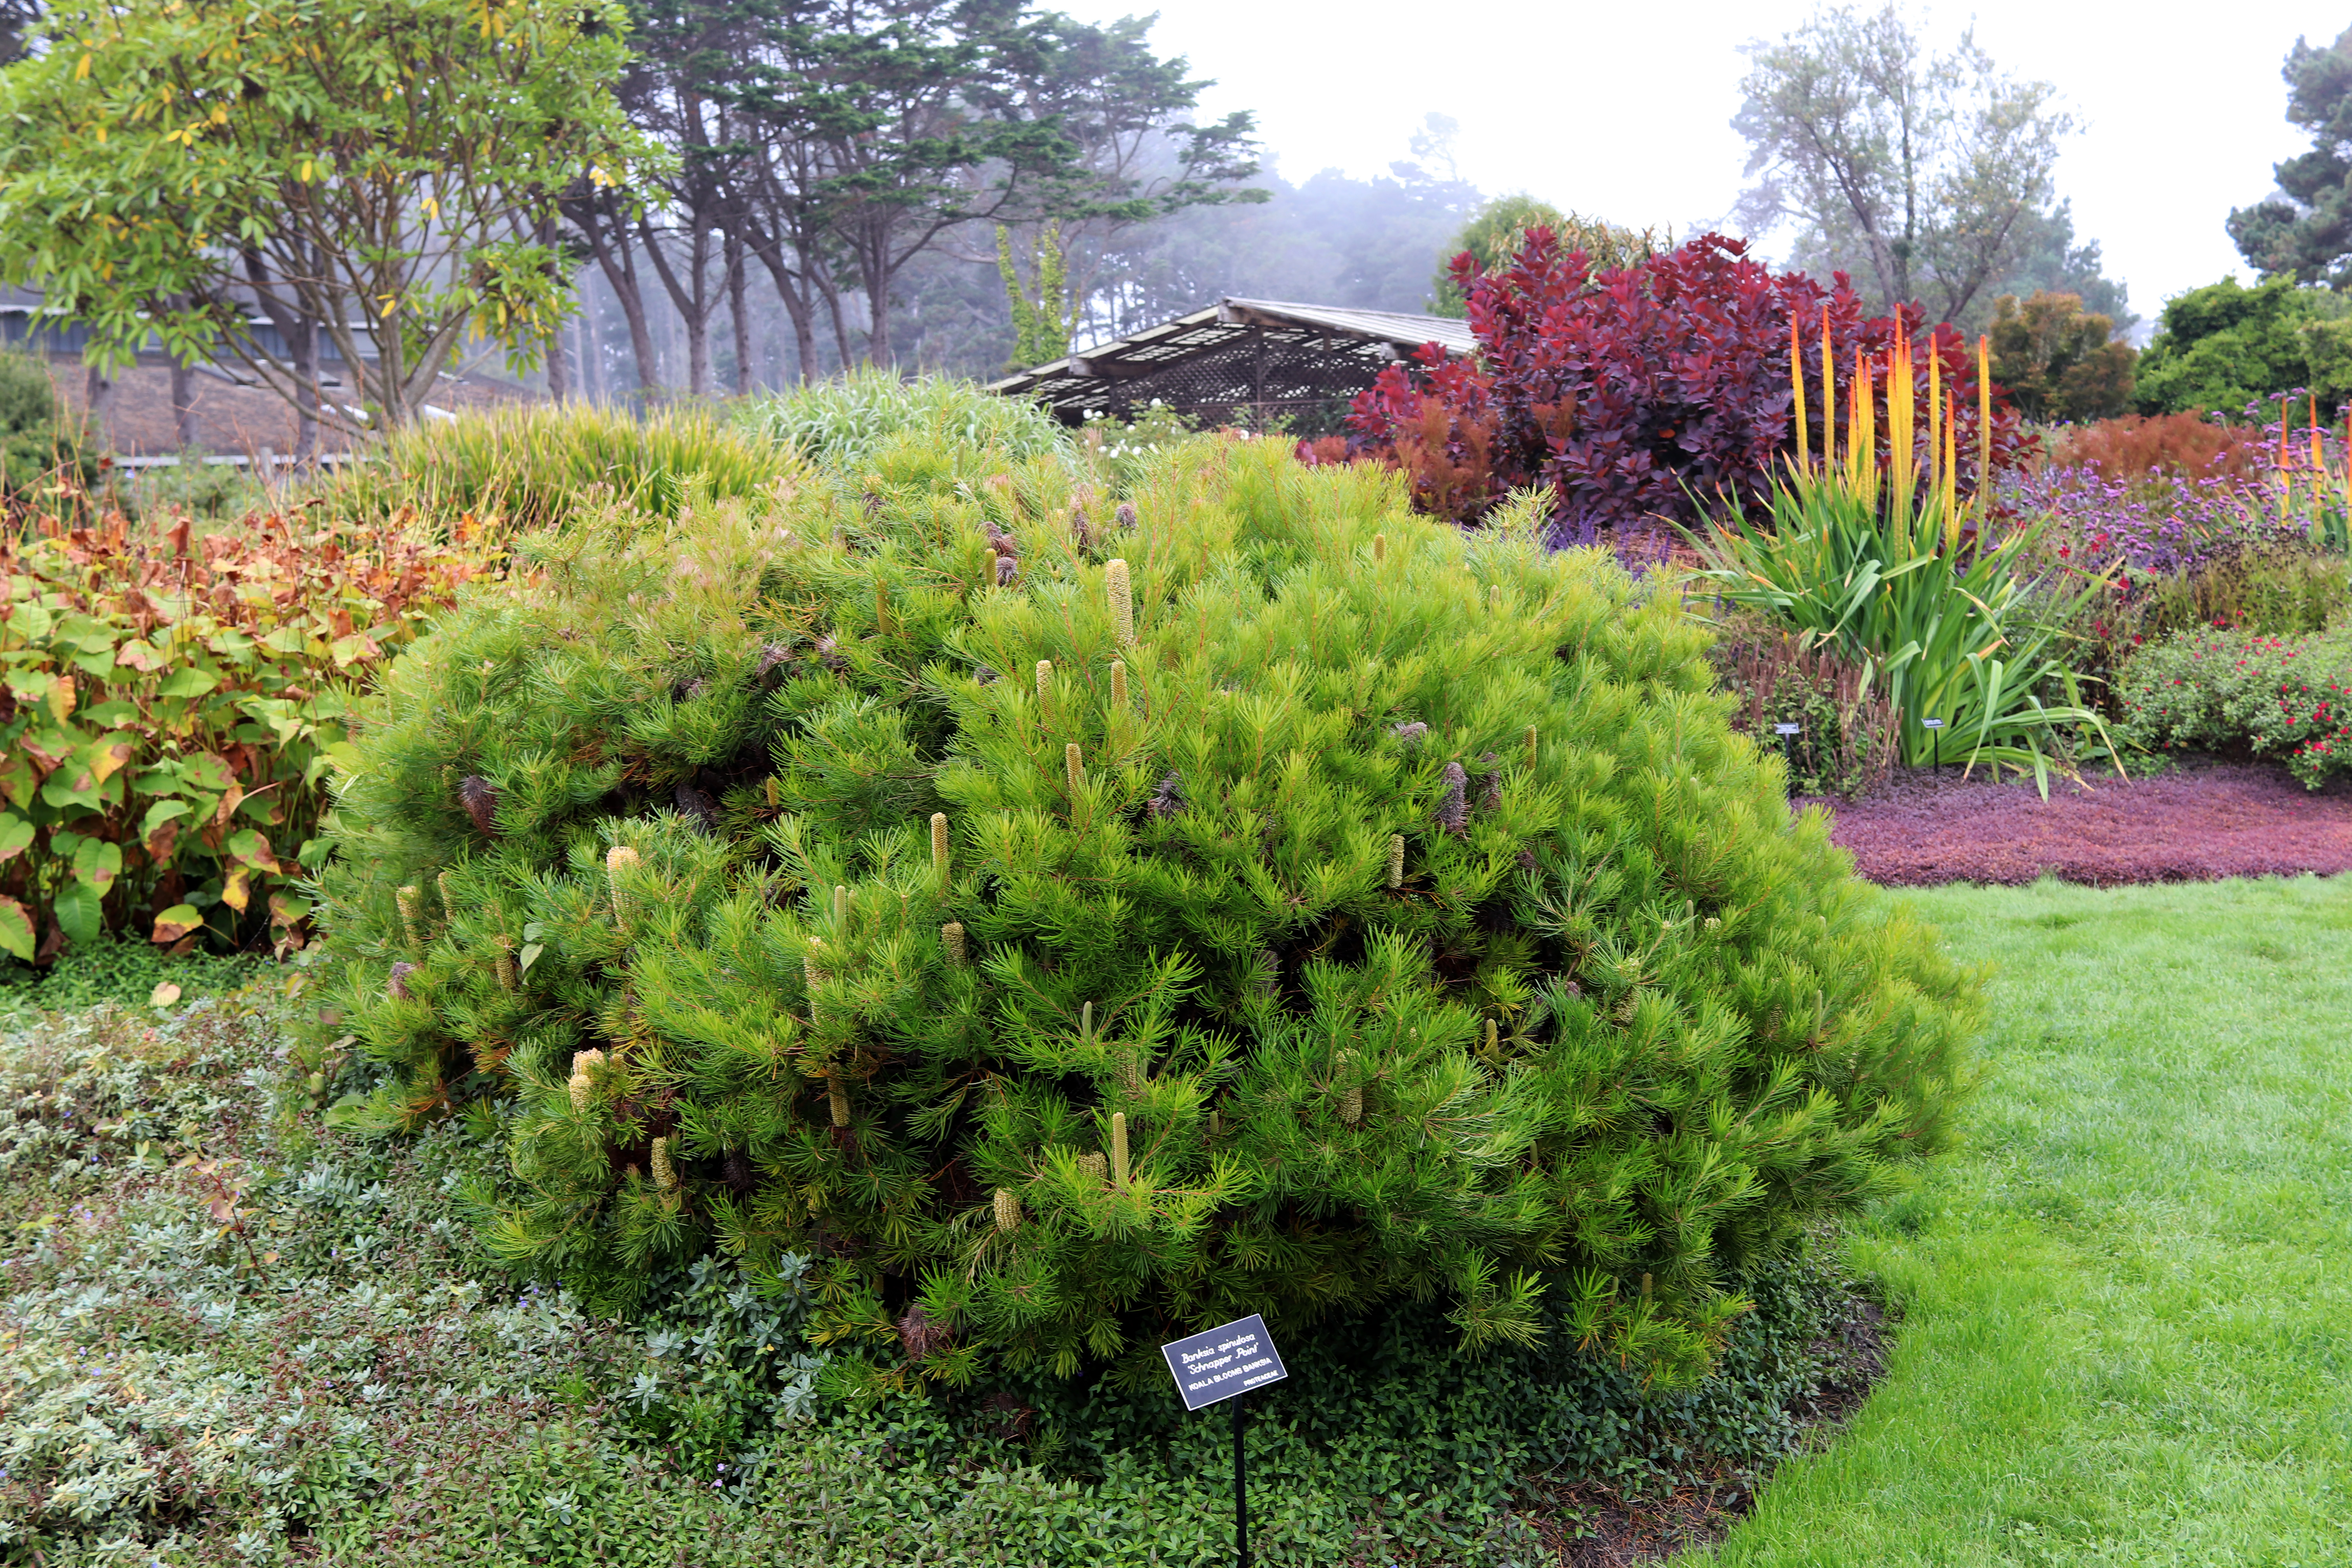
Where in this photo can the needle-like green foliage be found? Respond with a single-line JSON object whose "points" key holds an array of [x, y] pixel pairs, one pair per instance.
{"points": [[800, 874]]}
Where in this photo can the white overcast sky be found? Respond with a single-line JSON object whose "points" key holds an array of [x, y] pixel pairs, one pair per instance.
{"points": [[1623, 110]]}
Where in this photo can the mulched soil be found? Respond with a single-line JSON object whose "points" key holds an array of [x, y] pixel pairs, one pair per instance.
{"points": [[2203, 820], [1590, 1524]]}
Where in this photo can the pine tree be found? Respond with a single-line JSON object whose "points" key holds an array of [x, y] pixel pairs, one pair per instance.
{"points": [[1283, 904]]}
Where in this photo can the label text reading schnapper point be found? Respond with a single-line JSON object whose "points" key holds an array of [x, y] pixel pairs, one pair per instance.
{"points": [[1232, 1358]]}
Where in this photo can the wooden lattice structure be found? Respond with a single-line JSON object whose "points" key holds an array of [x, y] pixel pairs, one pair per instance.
{"points": [[1240, 361]]}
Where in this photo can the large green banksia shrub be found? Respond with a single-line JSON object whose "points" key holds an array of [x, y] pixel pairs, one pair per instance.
{"points": [[1073, 923]]}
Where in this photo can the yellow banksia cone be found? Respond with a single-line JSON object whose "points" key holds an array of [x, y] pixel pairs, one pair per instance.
{"points": [[665, 1174], [620, 858], [1008, 1210], [1122, 602], [583, 1085], [505, 961], [837, 1093], [940, 846], [408, 899], [1118, 684], [951, 938], [1396, 860]]}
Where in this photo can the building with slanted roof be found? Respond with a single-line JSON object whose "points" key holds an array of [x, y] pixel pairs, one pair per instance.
{"points": [[1248, 361]]}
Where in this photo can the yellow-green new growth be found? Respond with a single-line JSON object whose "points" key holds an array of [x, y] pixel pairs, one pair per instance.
{"points": [[1122, 602]]}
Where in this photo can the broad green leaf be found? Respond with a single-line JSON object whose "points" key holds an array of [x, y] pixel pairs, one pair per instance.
{"points": [[15, 930], [78, 912], [110, 754], [98, 861], [140, 654], [286, 909], [530, 956], [190, 681], [16, 837]]}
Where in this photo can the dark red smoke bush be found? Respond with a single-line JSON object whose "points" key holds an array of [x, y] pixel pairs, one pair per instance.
{"points": [[1657, 390]]}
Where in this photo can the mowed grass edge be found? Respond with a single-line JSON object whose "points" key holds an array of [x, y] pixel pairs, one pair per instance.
{"points": [[2126, 1301]]}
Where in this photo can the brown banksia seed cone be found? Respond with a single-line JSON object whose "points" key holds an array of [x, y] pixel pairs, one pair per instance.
{"points": [[1122, 602], [665, 1174], [1007, 569], [1008, 1210], [409, 898], [1125, 515], [951, 938], [1396, 860], [395, 985], [480, 800], [619, 858], [1454, 806]]}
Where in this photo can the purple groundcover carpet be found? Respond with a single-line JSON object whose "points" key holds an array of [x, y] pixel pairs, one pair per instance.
{"points": [[2198, 822]]}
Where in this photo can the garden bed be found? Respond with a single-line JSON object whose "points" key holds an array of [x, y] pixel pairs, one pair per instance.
{"points": [[2201, 821]]}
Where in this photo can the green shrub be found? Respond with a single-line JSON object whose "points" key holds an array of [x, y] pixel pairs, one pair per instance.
{"points": [[35, 447], [2209, 690], [535, 466], [841, 423], [1845, 739], [1299, 910]]}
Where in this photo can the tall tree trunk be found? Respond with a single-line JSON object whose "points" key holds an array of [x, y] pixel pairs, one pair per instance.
{"points": [[98, 400], [559, 371], [608, 239], [184, 407], [591, 348], [739, 314], [789, 288]]}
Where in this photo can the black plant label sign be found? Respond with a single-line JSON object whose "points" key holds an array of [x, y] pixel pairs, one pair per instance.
{"points": [[1232, 1358]]}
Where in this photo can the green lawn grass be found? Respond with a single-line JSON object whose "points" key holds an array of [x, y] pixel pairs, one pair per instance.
{"points": [[2126, 1301]]}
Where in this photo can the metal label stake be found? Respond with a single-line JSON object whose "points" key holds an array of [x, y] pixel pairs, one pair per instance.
{"points": [[1226, 1362], [1935, 728]]}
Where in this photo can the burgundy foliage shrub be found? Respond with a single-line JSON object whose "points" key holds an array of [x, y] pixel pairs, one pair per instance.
{"points": [[1656, 390]]}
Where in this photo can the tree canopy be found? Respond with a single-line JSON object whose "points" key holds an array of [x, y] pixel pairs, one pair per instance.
{"points": [[2303, 230], [1922, 175], [371, 175]]}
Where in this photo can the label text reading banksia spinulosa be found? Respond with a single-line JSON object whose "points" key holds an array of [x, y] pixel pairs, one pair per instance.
{"points": [[1232, 1358]]}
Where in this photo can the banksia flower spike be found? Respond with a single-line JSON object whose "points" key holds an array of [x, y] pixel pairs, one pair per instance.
{"points": [[1074, 765], [1094, 1168], [1411, 734], [395, 985], [1044, 678], [1351, 1099], [1454, 806], [1124, 516], [620, 859], [583, 1086], [665, 1174], [480, 800], [1396, 861], [505, 961], [1008, 1211], [1118, 684], [1007, 568], [840, 905], [882, 622], [951, 938], [1119, 1149], [939, 846], [1531, 746], [837, 1093], [449, 903], [1122, 602], [408, 899], [1082, 527], [813, 974], [1379, 548]]}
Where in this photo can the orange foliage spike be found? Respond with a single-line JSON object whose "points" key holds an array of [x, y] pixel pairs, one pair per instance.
{"points": [[1829, 392], [1797, 386], [2315, 462], [1935, 413]]}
